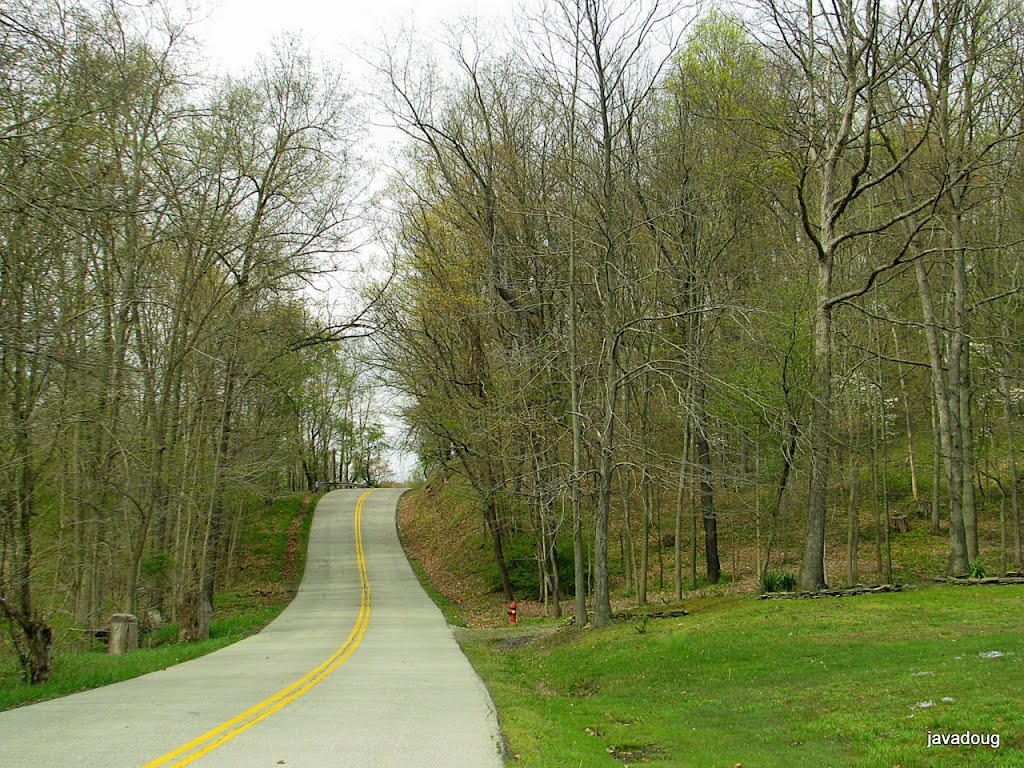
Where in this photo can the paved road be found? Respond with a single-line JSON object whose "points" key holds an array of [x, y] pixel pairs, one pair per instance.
{"points": [[346, 676]]}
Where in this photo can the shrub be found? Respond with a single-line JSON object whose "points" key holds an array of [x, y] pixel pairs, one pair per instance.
{"points": [[779, 582], [977, 569], [521, 561]]}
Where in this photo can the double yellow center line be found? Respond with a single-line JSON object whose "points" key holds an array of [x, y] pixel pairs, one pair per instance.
{"points": [[226, 731]]}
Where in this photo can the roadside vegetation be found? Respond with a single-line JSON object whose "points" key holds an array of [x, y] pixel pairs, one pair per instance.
{"points": [[163, 368], [857, 681], [687, 295], [694, 303], [261, 585], [851, 681]]}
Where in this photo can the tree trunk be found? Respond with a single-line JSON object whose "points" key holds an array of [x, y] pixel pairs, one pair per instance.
{"points": [[887, 527], [936, 468], [194, 614], [788, 454], [40, 644], [605, 472], [32, 636], [707, 491], [677, 548], [124, 634], [645, 542], [905, 396], [628, 550], [693, 530], [494, 524], [578, 554], [876, 503], [970, 471], [1018, 565], [812, 569], [853, 535], [958, 563], [960, 367], [554, 581]]}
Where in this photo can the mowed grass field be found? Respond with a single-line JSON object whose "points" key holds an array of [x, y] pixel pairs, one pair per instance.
{"points": [[853, 681]]}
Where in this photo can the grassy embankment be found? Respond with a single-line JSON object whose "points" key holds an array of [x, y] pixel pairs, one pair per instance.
{"points": [[854, 681], [274, 543]]}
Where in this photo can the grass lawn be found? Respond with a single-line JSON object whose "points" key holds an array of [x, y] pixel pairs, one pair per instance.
{"points": [[275, 545], [854, 681], [80, 670]]}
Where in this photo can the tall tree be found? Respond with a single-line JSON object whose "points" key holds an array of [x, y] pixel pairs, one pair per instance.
{"points": [[839, 55]]}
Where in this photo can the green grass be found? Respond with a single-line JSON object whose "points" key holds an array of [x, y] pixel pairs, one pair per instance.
{"points": [[827, 682], [263, 586], [79, 671]]}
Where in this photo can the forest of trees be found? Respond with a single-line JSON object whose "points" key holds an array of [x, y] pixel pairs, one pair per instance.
{"points": [[658, 269], [164, 371], [661, 279]]}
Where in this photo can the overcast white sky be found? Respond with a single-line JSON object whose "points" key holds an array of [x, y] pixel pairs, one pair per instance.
{"points": [[235, 31]]}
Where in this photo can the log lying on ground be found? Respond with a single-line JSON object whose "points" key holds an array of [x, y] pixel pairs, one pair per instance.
{"points": [[835, 592], [634, 615], [965, 582]]}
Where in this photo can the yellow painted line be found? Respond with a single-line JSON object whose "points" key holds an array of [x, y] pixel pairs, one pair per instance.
{"points": [[226, 731]]}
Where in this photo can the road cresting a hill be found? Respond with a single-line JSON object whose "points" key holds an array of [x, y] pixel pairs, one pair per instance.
{"points": [[226, 731]]}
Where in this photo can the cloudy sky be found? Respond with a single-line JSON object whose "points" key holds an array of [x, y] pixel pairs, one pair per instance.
{"points": [[233, 32]]}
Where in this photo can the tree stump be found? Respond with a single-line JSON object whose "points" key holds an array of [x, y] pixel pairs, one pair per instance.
{"points": [[124, 633], [194, 613], [901, 524]]}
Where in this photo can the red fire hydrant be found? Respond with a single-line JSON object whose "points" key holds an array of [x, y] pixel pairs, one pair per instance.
{"points": [[512, 613]]}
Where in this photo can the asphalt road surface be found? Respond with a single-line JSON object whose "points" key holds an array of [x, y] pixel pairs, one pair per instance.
{"points": [[360, 670]]}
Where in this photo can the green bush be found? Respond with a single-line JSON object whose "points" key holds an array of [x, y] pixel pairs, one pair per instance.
{"points": [[779, 582]]}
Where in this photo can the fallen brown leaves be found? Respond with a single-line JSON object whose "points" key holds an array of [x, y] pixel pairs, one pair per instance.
{"points": [[451, 546]]}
